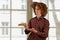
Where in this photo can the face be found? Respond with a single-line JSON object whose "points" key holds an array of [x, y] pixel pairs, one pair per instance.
{"points": [[37, 10]]}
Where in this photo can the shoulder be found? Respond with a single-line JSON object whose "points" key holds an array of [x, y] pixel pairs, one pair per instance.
{"points": [[32, 19], [46, 20]]}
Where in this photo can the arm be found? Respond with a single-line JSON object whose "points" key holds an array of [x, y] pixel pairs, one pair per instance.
{"points": [[27, 31]]}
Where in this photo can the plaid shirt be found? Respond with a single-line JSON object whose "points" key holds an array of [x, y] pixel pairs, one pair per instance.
{"points": [[41, 25]]}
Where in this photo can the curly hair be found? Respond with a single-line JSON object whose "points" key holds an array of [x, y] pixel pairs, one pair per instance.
{"points": [[42, 6]]}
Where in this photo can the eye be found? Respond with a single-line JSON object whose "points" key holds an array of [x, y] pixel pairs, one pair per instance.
{"points": [[38, 8]]}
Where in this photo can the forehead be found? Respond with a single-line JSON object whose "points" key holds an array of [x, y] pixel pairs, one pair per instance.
{"points": [[37, 7]]}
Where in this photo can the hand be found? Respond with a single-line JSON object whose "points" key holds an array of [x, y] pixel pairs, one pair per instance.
{"points": [[34, 30], [26, 26], [30, 29]]}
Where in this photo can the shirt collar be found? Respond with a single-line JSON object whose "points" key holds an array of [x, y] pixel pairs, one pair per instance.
{"points": [[41, 17]]}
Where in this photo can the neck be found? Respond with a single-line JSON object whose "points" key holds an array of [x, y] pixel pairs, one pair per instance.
{"points": [[38, 16]]}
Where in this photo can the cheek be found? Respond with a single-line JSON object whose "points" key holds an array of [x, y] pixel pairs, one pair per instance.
{"points": [[39, 11], [35, 10]]}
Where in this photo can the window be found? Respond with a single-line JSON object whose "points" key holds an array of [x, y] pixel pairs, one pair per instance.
{"points": [[12, 12]]}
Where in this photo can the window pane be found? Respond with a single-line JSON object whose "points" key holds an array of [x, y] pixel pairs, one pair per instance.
{"points": [[53, 4], [20, 38], [52, 32], [4, 4], [4, 33], [4, 38], [46, 38], [19, 4], [52, 38], [36, 0], [18, 34], [58, 16], [18, 17], [4, 15], [52, 19]]}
